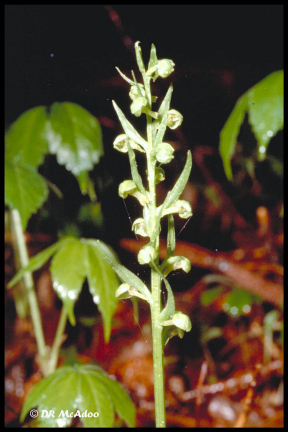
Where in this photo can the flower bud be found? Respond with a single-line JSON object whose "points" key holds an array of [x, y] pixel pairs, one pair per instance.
{"points": [[120, 144], [174, 119], [176, 263], [134, 93], [182, 321], [165, 67], [164, 153], [139, 227], [146, 254]]}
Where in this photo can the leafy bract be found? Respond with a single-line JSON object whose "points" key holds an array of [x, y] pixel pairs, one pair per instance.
{"points": [[25, 189], [25, 141], [180, 184], [74, 135], [74, 392], [124, 274], [128, 128], [264, 105]]}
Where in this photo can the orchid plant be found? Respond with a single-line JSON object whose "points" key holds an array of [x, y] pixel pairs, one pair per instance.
{"points": [[166, 321]]}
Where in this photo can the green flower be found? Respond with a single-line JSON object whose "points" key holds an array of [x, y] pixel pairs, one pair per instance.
{"points": [[139, 227], [128, 187], [120, 144], [174, 119], [146, 254], [164, 153]]}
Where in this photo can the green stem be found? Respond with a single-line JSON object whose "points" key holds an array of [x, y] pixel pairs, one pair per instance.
{"points": [[58, 340], [21, 247], [158, 366]]}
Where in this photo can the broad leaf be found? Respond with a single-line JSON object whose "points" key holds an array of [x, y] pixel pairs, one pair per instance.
{"points": [[25, 189], [76, 391], [25, 141], [36, 262], [125, 275], [264, 104], [74, 135], [75, 261]]}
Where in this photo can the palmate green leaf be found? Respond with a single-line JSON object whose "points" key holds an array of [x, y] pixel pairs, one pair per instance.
{"points": [[74, 136], [79, 390], [264, 104], [124, 274], [25, 141], [36, 262], [76, 260], [25, 189]]}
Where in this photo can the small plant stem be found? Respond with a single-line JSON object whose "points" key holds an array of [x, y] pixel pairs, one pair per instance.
{"points": [[58, 340], [22, 252], [158, 366]]}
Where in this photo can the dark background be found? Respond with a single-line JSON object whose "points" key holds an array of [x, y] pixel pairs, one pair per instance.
{"points": [[69, 53]]}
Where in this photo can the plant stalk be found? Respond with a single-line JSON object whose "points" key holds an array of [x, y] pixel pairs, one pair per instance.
{"points": [[21, 250], [158, 365]]}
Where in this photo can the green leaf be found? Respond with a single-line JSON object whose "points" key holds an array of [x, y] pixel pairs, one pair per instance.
{"points": [[163, 112], [153, 61], [36, 262], [125, 275], [74, 136], [128, 128], [78, 391], [134, 170], [25, 189], [103, 283], [180, 184], [264, 104], [76, 260], [265, 107], [229, 133], [25, 141]]}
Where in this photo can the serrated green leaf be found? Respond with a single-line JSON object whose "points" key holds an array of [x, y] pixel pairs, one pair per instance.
{"points": [[25, 141], [125, 275], [76, 260], [163, 112], [79, 390], [74, 136], [180, 184], [25, 189], [36, 262], [265, 107], [103, 283], [68, 271], [128, 128], [264, 104]]}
